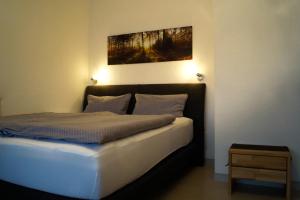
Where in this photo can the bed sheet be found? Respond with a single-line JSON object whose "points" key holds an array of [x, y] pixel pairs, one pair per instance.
{"points": [[89, 171]]}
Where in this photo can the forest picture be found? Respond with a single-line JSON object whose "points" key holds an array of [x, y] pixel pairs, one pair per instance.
{"points": [[151, 46]]}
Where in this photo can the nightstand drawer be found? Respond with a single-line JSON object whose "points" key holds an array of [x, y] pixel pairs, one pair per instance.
{"points": [[265, 162], [259, 174]]}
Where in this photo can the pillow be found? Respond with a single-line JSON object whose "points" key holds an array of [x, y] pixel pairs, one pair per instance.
{"points": [[115, 104], [147, 104]]}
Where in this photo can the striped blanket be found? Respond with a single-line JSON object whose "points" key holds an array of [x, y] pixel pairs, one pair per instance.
{"points": [[98, 127]]}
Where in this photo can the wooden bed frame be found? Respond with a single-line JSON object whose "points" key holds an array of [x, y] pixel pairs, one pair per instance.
{"points": [[168, 168]]}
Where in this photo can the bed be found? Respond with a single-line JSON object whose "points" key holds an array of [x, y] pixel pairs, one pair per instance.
{"points": [[157, 158]]}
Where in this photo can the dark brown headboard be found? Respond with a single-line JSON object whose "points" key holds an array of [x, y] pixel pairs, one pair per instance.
{"points": [[194, 107]]}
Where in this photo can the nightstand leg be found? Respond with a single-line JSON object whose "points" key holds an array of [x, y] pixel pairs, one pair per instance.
{"points": [[288, 181], [288, 191], [230, 185], [229, 175]]}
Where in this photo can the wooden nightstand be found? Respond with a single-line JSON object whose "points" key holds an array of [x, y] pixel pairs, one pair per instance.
{"points": [[262, 163]]}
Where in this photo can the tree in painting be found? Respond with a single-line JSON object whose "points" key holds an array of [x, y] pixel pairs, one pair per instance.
{"points": [[151, 46]]}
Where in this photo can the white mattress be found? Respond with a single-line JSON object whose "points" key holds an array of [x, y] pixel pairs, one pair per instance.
{"points": [[89, 171]]}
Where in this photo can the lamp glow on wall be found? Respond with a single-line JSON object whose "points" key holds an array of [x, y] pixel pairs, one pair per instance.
{"points": [[102, 77], [190, 71]]}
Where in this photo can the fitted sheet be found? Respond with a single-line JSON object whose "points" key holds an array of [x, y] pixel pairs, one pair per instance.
{"points": [[89, 171]]}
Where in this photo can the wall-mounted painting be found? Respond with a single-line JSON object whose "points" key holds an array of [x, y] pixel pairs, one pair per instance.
{"points": [[151, 46]]}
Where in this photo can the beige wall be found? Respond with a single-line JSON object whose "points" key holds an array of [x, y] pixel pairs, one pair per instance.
{"points": [[45, 46], [43, 55], [257, 76], [111, 17], [44, 50]]}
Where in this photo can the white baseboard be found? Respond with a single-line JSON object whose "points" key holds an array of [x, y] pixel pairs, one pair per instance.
{"points": [[220, 177]]}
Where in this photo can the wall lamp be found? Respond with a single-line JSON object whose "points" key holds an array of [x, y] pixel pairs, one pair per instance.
{"points": [[94, 81], [200, 76]]}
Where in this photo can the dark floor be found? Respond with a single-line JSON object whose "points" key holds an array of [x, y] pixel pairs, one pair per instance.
{"points": [[199, 183]]}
